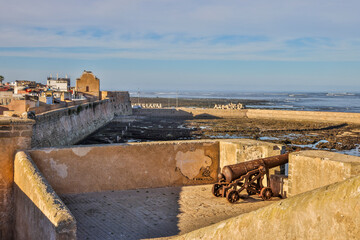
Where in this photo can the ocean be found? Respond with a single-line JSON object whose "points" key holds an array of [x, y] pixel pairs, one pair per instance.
{"points": [[305, 101]]}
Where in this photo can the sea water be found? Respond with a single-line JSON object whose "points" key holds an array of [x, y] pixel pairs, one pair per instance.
{"points": [[306, 101]]}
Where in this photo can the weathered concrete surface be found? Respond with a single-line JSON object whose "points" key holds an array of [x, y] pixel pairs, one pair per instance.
{"points": [[253, 113], [313, 169], [330, 212], [128, 166], [138, 165], [39, 212], [279, 184], [240, 150], [67, 126], [15, 134], [149, 213]]}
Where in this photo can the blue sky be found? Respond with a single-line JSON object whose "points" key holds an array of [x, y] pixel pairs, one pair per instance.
{"points": [[183, 45]]}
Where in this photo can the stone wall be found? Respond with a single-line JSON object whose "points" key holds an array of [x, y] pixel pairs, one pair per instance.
{"points": [[139, 165], [50, 107], [240, 150], [21, 105], [14, 134], [314, 169], [67, 126], [232, 152], [340, 117], [330, 212], [39, 212]]}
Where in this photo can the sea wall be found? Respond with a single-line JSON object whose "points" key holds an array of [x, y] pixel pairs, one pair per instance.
{"points": [[313, 169], [66, 126], [39, 212], [352, 118], [330, 212], [340, 117], [15, 134], [139, 165]]}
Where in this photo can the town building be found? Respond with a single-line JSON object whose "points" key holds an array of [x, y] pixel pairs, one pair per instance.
{"points": [[58, 84], [88, 84]]}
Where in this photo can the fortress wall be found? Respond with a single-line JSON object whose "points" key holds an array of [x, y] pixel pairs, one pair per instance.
{"points": [[39, 212], [128, 166], [313, 169], [234, 151], [138, 165], [330, 212], [67, 126], [241, 150], [50, 107], [14, 134], [351, 118]]}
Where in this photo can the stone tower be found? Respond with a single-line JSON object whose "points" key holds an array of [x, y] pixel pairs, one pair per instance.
{"points": [[88, 83]]}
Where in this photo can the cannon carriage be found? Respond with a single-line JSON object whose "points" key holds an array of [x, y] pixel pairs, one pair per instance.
{"points": [[248, 176]]}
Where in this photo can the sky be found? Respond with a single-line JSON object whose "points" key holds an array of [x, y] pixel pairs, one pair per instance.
{"points": [[230, 45]]}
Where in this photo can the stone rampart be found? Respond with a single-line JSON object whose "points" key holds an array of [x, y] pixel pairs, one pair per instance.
{"points": [[69, 125], [50, 107], [39, 212], [341, 117], [141, 165], [15, 134], [313, 169], [330, 212]]}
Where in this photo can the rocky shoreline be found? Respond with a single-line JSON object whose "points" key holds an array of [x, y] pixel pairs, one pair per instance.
{"points": [[296, 135], [342, 138]]}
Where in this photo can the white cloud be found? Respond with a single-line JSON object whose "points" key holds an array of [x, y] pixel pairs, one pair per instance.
{"points": [[168, 29]]}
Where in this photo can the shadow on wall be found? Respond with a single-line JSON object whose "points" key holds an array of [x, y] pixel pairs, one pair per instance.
{"points": [[39, 212], [32, 223]]}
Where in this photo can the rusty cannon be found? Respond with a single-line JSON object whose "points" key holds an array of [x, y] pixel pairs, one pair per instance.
{"points": [[248, 176]]}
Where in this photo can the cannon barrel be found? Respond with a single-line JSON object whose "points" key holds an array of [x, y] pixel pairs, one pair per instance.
{"points": [[235, 171]]}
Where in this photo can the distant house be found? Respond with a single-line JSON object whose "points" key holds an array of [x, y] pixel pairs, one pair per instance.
{"points": [[88, 84], [25, 83], [59, 84]]}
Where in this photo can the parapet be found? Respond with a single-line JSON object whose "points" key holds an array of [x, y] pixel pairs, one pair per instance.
{"points": [[313, 169], [39, 212], [330, 212]]}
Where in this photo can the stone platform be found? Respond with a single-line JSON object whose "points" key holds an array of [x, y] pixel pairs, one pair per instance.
{"points": [[152, 213]]}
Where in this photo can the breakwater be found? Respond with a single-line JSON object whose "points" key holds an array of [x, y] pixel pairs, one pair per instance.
{"points": [[339, 117]]}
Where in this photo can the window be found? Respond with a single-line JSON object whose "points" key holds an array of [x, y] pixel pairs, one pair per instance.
{"points": [[87, 88]]}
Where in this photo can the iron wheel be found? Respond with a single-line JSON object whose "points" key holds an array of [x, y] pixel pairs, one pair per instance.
{"points": [[266, 193], [216, 190], [233, 196]]}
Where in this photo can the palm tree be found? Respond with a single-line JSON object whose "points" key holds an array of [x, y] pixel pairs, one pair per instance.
{"points": [[1, 79]]}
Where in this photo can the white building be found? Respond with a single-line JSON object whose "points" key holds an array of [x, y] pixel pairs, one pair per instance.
{"points": [[58, 84]]}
